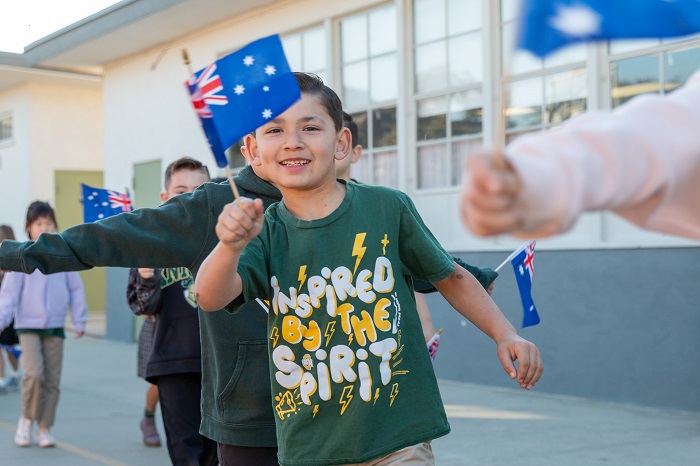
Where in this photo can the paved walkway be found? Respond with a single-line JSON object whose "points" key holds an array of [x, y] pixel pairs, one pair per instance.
{"points": [[102, 403]]}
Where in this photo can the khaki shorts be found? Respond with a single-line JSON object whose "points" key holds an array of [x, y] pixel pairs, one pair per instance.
{"points": [[416, 455]]}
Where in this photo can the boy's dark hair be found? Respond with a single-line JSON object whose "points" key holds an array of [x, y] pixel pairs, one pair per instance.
{"points": [[6, 232], [184, 163], [219, 179], [311, 84], [37, 210], [352, 126]]}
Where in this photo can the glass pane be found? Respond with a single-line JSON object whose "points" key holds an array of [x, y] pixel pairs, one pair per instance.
{"points": [[353, 38], [622, 46], [460, 151], [433, 166], [678, 66], [235, 158], [384, 127], [633, 77], [525, 103], [292, 49], [570, 54], [360, 170], [516, 61], [382, 31], [509, 9], [386, 171], [432, 119], [565, 94], [315, 50], [510, 137], [431, 69], [361, 120], [463, 16], [466, 114], [428, 20], [6, 129], [466, 60], [384, 81], [355, 85]]}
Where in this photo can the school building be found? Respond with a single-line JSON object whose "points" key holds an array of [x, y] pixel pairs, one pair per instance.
{"points": [[103, 101]]}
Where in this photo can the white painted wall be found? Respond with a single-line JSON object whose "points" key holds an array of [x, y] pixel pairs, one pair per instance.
{"points": [[56, 127]]}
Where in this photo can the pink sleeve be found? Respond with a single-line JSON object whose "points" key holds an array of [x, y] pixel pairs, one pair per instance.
{"points": [[642, 161]]}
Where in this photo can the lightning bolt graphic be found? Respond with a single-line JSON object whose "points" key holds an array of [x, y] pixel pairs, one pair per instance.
{"points": [[347, 393], [358, 249], [315, 410], [376, 396], [274, 336], [350, 339], [302, 276], [394, 392], [385, 243], [330, 330]]}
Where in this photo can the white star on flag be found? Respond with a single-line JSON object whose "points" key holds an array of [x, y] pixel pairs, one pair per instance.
{"points": [[239, 89], [248, 60], [576, 21], [266, 88], [521, 270], [267, 113], [270, 70]]}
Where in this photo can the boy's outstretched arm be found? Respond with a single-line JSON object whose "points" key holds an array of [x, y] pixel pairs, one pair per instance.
{"points": [[468, 297], [218, 282]]}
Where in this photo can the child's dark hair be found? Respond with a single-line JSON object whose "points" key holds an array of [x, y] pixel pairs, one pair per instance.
{"points": [[184, 163], [311, 84], [352, 126], [37, 210], [6, 232]]}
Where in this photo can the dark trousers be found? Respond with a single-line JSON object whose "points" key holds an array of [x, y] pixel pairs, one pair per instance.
{"points": [[232, 455], [179, 403]]}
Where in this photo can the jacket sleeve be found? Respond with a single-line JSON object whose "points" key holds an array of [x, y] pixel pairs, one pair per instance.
{"points": [[175, 234], [78, 304], [144, 294], [484, 275], [641, 161]]}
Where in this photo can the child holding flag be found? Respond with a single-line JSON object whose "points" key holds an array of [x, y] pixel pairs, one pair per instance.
{"points": [[345, 341]]}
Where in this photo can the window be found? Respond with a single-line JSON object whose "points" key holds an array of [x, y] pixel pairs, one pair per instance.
{"points": [[544, 92], [448, 75], [652, 73], [5, 129], [369, 73], [306, 51]]}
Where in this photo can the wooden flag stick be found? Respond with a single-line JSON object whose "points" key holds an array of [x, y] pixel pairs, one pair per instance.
{"points": [[186, 61]]}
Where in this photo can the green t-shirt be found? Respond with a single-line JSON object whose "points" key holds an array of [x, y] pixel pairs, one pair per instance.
{"points": [[351, 378]]}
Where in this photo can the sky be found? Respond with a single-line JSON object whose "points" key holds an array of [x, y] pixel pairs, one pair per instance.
{"points": [[25, 21]]}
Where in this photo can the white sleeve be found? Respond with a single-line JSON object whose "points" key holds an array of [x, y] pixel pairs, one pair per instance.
{"points": [[642, 161]]}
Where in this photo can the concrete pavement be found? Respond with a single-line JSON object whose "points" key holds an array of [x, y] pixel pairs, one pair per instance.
{"points": [[102, 403]]}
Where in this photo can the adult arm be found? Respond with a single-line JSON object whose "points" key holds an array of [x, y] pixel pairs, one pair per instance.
{"points": [[642, 161]]}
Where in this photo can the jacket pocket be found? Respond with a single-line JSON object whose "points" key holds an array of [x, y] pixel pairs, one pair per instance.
{"points": [[246, 398]]}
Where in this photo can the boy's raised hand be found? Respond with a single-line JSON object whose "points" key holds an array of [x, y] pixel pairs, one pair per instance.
{"points": [[489, 196], [530, 366], [240, 222]]}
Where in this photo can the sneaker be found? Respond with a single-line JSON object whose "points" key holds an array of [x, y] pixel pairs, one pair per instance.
{"points": [[44, 438], [150, 434], [12, 384], [23, 436]]}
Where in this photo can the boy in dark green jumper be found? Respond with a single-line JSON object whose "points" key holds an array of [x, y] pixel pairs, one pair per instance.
{"points": [[351, 378]]}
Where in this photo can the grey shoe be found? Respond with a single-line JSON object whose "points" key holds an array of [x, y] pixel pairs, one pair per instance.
{"points": [[150, 434]]}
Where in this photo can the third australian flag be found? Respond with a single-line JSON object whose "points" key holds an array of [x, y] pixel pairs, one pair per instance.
{"points": [[523, 265]]}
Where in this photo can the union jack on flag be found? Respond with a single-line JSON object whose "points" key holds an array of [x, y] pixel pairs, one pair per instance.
{"points": [[204, 91], [241, 92], [101, 203]]}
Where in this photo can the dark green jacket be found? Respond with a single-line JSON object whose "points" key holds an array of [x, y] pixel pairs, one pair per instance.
{"points": [[236, 402]]}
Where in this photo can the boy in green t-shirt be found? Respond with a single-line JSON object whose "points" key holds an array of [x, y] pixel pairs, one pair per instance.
{"points": [[351, 379]]}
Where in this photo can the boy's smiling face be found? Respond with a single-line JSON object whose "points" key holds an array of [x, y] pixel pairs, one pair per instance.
{"points": [[298, 148]]}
